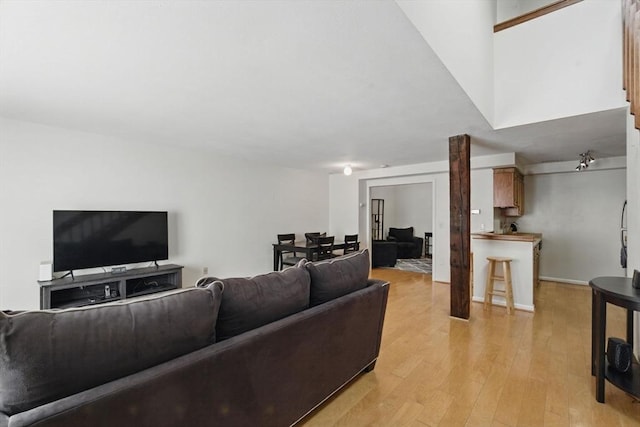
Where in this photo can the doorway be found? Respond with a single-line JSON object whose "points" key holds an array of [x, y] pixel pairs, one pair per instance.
{"points": [[405, 205]]}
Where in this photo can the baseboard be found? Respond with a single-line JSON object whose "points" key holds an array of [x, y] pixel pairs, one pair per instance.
{"points": [[569, 281], [522, 307]]}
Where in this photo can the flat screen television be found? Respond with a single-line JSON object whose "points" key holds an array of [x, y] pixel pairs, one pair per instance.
{"points": [[86, 239]]}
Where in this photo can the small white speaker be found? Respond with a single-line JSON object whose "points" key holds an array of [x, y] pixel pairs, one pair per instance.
{"points": [[46, 271]]}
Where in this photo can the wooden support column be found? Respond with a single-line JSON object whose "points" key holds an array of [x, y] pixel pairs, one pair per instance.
{"points": [[460, 223]]}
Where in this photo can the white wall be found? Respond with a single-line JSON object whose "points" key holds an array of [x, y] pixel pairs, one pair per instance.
{"points": [[482, 200], [409, 205], [347, 210], [507, 9], [571, 61], [223, 213], [578, 214], [461, 34], [417, 203]]}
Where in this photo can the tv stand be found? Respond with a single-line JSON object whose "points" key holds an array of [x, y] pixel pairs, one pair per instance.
{"points": [[100, 288]]}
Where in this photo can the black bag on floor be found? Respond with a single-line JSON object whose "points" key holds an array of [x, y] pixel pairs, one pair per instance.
{"points": [[619, 354]]}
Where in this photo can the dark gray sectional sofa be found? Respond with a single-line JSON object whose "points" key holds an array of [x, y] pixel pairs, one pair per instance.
{"points": [[261, 351]]}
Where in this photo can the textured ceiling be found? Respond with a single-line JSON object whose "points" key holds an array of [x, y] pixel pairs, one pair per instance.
{"points": [[306, 84]]}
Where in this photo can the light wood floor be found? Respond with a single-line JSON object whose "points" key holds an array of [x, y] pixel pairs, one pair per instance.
{"points": [[495, 370]]}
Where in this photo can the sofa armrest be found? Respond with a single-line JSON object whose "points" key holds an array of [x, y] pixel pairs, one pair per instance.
{"points": [[379, 282], [4, 420], [384, 285]]}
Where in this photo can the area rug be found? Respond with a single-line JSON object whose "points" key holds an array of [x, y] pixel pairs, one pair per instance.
{"points": [[422, 265]]}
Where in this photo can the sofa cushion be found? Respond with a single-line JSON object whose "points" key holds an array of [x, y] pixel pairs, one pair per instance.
{"points": [[47, 355], [339, 276], [402, 234], [248, 303]]}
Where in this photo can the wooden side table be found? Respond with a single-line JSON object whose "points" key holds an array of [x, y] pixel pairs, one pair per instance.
{"points": [[617, 291], [427, 244]]}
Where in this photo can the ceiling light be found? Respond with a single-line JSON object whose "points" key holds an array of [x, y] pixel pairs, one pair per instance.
{"points": [[585, 160], [347, 170]]}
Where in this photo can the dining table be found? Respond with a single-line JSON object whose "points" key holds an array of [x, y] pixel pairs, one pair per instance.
{"points": [[304, 246]]}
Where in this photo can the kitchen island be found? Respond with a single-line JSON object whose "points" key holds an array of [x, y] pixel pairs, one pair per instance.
{"points": [[523, 248]]}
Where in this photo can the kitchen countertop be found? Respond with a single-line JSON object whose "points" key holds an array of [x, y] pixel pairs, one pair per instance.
{"points": [[514, 237]]}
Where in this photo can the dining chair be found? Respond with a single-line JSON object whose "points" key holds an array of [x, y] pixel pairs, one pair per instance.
{"points": [[311, 237], [288, 257], [325, 247], [350, 243]]}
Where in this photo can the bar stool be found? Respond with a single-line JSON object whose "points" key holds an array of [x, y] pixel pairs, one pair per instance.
{"points": [[489, 291]]}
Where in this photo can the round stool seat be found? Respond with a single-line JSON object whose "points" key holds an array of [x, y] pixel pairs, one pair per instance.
{"points": [[499, 259]]}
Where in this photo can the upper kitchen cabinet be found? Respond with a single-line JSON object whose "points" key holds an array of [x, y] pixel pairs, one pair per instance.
{"points": [[508, 191]]}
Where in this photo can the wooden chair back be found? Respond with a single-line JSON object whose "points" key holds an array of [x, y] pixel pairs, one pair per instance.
{"points": [[291, 257], [286, 238], [350, 243], [312, 237], [325, 247]]}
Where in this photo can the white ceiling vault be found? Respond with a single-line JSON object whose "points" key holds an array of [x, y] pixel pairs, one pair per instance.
{"points": [[304, 84]]}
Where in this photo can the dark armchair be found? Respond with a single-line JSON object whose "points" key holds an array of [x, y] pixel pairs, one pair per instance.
{"points": [[409, 246]]}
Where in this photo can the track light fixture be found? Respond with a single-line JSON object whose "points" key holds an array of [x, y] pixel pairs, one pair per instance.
{"points": [[585, 160], [347, 170]]}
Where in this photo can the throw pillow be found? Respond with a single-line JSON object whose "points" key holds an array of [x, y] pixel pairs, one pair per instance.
{"points": [[339, 276], [248, 303], [47, 355]]}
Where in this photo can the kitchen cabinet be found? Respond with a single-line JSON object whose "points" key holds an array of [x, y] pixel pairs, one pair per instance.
{"points": [[508, 191]]}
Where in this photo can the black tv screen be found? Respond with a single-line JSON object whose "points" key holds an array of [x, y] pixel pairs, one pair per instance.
{"points": [[86, 239]]}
